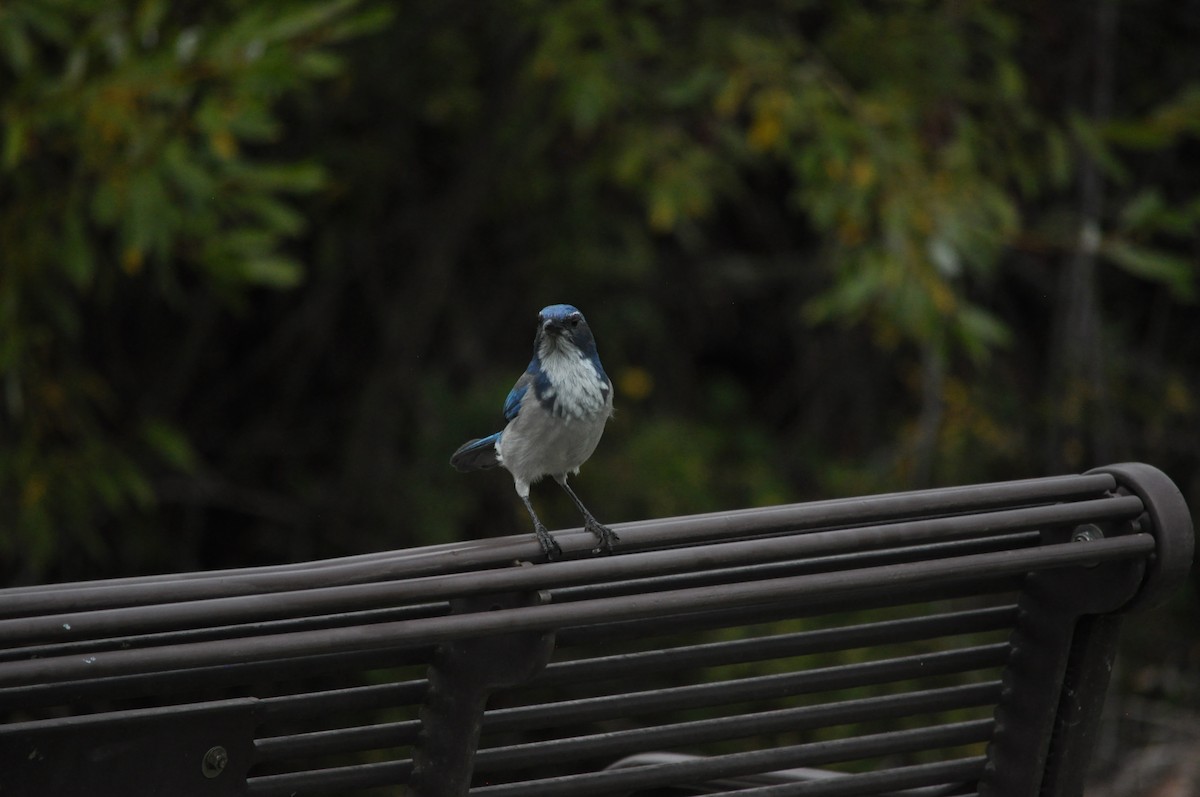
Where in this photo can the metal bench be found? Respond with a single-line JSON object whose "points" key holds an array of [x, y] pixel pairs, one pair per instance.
{"points": [[941, 642]]}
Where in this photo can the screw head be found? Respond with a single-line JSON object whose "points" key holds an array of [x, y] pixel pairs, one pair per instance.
{"points": [[1087, 533], [214, 762]]}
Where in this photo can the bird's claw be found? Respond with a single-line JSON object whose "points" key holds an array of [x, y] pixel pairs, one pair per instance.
{"points": [[550, 546], [606, 536]]}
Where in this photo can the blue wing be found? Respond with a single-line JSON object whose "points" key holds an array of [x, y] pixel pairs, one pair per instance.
{"points": [[512, 404], [481, 453]]}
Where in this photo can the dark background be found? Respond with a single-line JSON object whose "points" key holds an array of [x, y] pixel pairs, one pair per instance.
{"points": [[263, 266]]}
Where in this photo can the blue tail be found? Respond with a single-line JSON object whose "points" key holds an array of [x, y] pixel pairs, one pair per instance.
{"points": [[476, 454]]}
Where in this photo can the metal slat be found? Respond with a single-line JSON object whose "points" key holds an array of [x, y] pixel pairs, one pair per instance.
{"points": [[811, 590], [963, 770], [762, 687], [680, 734], [805, 566], [193, 635], [307, 605], [189, 679], [352, 698], [800, 643], [333, 780], [735, 764], [1002, 588], [338, 740]]}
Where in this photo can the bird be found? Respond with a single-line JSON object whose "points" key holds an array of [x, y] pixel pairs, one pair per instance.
{"points": [[555, 415]]}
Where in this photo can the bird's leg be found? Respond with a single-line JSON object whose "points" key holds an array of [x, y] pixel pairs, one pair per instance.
{"points": [[549, 545], [606, 536]]}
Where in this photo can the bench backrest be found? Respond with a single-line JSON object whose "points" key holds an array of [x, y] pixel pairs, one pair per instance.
{"points": [[951, 641]]}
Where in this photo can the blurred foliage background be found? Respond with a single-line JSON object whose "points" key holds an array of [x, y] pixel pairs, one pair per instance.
{"points": [[264, 266]]}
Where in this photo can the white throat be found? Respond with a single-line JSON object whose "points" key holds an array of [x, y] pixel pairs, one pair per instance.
{"points": [[576, 387]]}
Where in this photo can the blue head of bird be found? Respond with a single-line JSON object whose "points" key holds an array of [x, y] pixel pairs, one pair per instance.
{"points": [[562, 327]]}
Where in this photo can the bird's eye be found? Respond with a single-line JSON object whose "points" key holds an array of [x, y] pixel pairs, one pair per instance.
{"points": [[573, 322]]}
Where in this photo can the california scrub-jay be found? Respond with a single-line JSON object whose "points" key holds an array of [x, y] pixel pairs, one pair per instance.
{"points": [[556, 413]]}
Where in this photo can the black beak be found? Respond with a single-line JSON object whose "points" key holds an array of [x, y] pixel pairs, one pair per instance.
{"points": [[552, 327]]}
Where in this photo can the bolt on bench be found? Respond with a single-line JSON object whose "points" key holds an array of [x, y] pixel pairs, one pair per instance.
{"points": [[942, 642]]}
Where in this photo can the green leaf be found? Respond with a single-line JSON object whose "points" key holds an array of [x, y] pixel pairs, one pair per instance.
{"points": [[187, 174], [980, 332], [303, 20], [277, 215], [1137, 134], [148, 21], [366, 21], [296, 177], [845, 301], [15, 44], [1148, 212], [693, 88], [170, 443], [1141, 211], [591, 95], [1010, 80], [320, 64], [252, 122], [273, 272], [14, 142], [1058, 157], [146, 217], [1178, 274]]}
